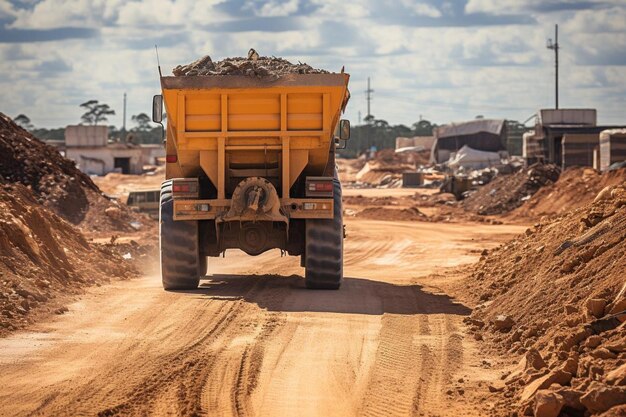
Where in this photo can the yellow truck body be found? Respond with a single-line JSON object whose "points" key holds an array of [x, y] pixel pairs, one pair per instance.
{"points": [[256, 147]]}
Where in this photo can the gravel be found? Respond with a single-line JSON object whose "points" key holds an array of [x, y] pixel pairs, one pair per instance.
{"points": [[253, 66]]}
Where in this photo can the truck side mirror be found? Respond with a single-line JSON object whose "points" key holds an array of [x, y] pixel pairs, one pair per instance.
{"points": [[157, 108], [344, 129]]}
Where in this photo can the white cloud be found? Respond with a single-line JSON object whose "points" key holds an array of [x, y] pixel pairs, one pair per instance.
{"points": [[421, 9], [272, 8], [444, 73], [7, 11], [606, 20], [499, 6], [342, 10], [164, 13], [49, 14], [517, 6]]}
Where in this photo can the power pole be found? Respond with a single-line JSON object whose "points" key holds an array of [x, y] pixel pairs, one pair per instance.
{"points": [[123, 138], [555, 47], [359, 117], [368, 93]]}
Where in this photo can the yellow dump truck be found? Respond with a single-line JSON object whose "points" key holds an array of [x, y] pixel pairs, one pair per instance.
{"points": [[250, 164]]}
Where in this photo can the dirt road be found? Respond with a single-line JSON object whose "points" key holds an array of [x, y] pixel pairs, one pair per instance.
{"points": [[262, 345]]}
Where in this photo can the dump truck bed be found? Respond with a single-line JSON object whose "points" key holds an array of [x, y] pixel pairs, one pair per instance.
{"points": [[221, 124]]}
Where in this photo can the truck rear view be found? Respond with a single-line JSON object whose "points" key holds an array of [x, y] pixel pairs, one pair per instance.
{"points": [[251, 165]]}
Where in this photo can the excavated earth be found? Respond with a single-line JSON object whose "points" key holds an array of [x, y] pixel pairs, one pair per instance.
{"points": [[508, 192], [44, 260], [57, 184], [576, 187], [555, 297], [50, 216]]}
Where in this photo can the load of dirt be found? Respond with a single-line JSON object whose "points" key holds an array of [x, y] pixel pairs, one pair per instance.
{"points": [[57, 184], [575, 188], [507, 192], [44, 259], [556, 297], [253, 66]]}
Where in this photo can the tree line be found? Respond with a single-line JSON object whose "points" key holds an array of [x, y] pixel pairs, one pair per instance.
{"points": [[143, 131], [379, 134]]}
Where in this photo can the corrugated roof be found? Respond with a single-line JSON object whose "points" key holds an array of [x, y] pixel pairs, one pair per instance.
{"points": [[472, 127]]}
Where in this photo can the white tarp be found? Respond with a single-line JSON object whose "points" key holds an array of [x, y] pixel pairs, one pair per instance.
{"points": [[411, 149], [467, 157]]}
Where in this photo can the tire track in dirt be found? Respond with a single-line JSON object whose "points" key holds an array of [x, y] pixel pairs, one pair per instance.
{"points": [[168, 383], [260, 345], [227, 389], [441, 357], [390, 391]]}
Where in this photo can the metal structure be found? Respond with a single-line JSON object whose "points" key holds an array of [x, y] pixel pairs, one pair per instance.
{"points": [[555, 47], [368, 95]]}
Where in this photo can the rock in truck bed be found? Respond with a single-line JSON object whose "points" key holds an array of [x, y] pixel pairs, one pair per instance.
{"points": [[252, 66]]}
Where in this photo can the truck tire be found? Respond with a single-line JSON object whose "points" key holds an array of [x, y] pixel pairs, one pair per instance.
{"points": [[323, 261], [203, 265], [180, 257]]}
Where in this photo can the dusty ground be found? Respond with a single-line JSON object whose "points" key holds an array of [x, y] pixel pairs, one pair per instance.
{"points": [[253, 341]]}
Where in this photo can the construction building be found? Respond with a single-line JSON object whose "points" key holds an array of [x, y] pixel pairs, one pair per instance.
{"points": [[90, 149], [566, 137], [612, 148]]}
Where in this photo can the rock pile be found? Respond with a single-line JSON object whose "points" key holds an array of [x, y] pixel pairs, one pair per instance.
{"points": [[43, 258], [575, 188], [253, 66], [556, 296], [507, 192], [54, 180]]}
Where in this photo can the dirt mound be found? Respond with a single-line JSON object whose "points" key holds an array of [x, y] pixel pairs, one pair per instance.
{"points": [[43, 258], [575, 188], [57, 184], [254, 66], [508, 192], [557, 296], [391, 214], [348, 168], [385, 169], [55, 180]]}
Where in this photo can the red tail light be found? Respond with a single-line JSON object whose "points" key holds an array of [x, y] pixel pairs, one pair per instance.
{"points": [[181, 188], [185, 188], [321, 186], [171, 158]]}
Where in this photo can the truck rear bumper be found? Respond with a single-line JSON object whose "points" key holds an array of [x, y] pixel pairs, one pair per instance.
{"points": [[293, 208]]}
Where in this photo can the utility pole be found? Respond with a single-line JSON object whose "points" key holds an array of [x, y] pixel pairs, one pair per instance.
{"points": [[359, 117], [123, 138], [555, 47], [368, 93]]}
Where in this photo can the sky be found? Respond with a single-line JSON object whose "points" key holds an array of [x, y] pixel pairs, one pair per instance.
{"points": [[440, 60]]}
